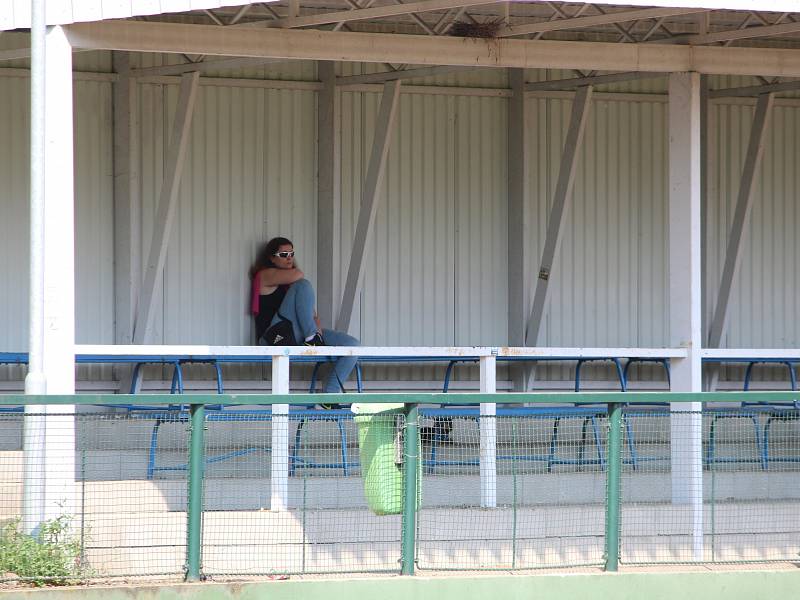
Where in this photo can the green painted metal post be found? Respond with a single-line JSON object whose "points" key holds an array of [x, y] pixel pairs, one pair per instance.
{"points": [[194, 531], [613, 472], [410, 468]]}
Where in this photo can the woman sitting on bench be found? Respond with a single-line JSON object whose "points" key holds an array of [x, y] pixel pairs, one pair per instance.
{"points": [[281, 292]]}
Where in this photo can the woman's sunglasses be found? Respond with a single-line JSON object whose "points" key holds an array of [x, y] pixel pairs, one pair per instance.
{"points": [[289, 254]]}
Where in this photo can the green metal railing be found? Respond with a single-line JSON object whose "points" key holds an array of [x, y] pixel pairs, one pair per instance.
{"points": [[614, 462]]}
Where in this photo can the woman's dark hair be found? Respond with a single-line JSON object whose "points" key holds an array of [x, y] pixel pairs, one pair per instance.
{"points": [[264, 256]]}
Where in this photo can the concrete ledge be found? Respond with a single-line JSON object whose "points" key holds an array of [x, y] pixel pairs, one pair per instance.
{"points": [[709, 585]]}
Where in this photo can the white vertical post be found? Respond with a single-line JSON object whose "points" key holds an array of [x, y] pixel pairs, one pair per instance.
{"points": [[50, 442], [127, 205], [517, 225], [517, 221], [35, 381], [685, 295], [279, 474], [488, 427], [127, 247], [328, 190]]}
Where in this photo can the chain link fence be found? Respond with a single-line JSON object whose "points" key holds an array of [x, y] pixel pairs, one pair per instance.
{"points": [[741, 506], [732, 498]]}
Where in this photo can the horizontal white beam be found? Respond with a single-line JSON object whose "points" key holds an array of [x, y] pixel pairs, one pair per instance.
{"points": [[595, 20], [544, 352], [375, 351], [429, 50], [746, 354]]}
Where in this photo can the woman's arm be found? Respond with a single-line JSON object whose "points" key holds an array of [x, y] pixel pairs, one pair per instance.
{"points": [[271, 278]]}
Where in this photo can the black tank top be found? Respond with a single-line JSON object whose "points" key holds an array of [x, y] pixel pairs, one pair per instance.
{"points": [[268, 305]]}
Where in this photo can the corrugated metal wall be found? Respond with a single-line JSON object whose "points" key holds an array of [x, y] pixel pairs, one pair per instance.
{"points": [[249, 175], [766, 299], [436, 264], [609, 279], [93, 207]]}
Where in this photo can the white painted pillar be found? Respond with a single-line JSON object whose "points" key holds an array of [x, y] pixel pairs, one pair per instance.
{"points": [[685, 295], [329, 188], [488, 428], [127, 205], [279, 474], [517, 226], [49, 442], [127, 210]]}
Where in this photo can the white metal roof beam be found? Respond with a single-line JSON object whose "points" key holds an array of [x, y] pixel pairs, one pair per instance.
{"points": [[568, 84], [755, 90], [594, 20], [403, 74], [427, 50], [361, 14], [736, 34], [205, 66]]}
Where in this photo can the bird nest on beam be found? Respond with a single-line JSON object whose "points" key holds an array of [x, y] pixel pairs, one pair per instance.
{"points": [[487, 29]]}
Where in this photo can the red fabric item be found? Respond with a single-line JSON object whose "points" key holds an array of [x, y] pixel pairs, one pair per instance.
{"points": [[254, 293]]}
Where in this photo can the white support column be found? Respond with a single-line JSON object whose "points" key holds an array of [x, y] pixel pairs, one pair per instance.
{"points": [[706, 177], [329, 191], [684, 295], [279, 472], [49, 443], [127, 226], [488, 433], [563, 194], [36, 381], [145, 308], [127, 207], [517, 221], [369, 204], [741, 218]]}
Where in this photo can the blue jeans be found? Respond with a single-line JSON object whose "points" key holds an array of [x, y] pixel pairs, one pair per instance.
{"points": [[298, 307], [344, 365]]}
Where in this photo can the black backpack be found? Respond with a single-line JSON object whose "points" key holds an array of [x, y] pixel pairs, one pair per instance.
{"points": [[279, 334]]}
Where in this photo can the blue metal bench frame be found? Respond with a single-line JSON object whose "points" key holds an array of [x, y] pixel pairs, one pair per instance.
{"points": [[180, 414], [177, 411], [622, 375], [754, 410], [551, 458]]}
